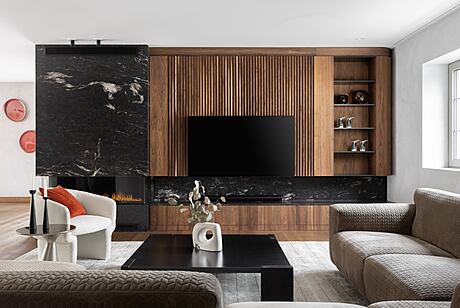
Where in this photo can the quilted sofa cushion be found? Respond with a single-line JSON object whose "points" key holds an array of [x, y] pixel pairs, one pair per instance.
{"points": [[349, 250], [86, 224], [437, 218], [114, 289], [410, 277], [411, 304]]}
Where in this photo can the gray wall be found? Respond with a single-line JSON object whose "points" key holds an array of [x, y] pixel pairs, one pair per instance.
{"points": [[432, 42]]}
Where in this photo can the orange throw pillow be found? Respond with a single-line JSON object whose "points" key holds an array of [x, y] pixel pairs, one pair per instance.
{"points": [[60, 195]]}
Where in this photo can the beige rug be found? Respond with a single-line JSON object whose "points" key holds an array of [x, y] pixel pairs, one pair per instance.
{"points": [[315, 276]]}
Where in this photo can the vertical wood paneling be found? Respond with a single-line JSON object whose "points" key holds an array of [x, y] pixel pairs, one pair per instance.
{"points": [[323, 136], [381, 162], [159, 116], [239, 85]]}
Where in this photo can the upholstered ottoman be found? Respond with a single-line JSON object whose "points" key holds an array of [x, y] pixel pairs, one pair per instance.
{"points": [[291, 305]]}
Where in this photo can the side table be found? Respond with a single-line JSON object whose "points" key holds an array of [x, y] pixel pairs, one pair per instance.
{"points": [[54, 231]]}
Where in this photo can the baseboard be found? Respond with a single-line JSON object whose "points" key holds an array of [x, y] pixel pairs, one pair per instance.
{"points": [[14, 199]]}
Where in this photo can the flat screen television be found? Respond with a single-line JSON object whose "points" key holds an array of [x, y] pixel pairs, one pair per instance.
{"points": [[241, 145]]}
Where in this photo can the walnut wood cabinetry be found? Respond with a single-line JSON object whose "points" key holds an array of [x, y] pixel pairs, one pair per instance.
{"points": [[248, 218], [299, 82]]}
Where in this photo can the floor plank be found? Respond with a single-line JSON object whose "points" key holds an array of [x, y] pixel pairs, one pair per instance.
{"points": [[14, 216]]}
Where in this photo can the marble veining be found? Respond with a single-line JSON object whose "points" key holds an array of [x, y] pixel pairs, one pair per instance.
{"points": [[291, 189], [92, 114]]}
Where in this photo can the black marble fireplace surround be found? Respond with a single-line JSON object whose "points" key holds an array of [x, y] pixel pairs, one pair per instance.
{"points": [[92, 110], [291, 190]]}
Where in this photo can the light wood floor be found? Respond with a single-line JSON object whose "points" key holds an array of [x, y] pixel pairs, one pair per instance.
{"points": [[15, 215]]}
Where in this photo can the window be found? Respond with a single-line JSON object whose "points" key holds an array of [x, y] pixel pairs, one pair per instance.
{"points": [[454, 114]]}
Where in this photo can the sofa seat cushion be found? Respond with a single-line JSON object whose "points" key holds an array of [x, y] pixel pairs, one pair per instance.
{"points": [[410, 277], [350, 248], [86, 224], [34, 266], [411, 304], [291, 305]]}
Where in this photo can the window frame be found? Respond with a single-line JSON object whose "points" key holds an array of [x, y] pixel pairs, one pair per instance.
{"points": [[454, 103]]}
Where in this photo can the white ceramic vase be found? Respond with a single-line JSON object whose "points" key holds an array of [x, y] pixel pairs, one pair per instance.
{"points": [[200, 241]]}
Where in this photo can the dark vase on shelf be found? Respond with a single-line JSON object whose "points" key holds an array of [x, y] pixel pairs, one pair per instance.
{"points": [[46, 225], [360, 97], [341, 99], [32, 219]]}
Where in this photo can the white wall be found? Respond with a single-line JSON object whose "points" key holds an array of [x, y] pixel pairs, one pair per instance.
{"points": [[16, 166], [434, 41]]}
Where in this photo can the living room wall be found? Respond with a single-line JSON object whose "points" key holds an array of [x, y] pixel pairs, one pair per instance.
{"points": [[409, 56], [16, 166]]}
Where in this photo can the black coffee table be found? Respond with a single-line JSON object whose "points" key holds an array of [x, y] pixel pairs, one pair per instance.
{"points": [[242, 254]]}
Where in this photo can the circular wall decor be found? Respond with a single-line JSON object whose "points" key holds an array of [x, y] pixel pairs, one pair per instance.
{"points": [[27, 141], [15, 110]]}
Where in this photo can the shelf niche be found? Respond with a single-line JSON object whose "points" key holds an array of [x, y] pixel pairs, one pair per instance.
{"points": [[372, 121]]}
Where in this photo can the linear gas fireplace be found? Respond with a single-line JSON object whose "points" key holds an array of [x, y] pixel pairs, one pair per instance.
{"points": [[128, 192]]}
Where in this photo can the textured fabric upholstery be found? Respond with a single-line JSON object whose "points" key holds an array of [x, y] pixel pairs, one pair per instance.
{"points": [[411, 304], [28, 266], [291, 305], [381, 217], [115, 289], [350, 249], [86, 224], [437, 218], [410, 277]]}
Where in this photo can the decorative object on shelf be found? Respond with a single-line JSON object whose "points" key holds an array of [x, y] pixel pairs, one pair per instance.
{"points": [[45, 206], [201, 210], [350, 122], [362, 146], [354, 145], [340, 122], [15, 110], [32, 218], [341, 99], [360, 97], [200, 236], [27, 141]]}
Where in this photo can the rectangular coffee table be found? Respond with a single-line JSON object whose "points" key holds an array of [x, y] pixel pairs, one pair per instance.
{"points": [[241, 254]]}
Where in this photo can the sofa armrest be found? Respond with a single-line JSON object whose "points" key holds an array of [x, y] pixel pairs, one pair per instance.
{"points": [[96, 204], [456, 298], [380, 217], [110, 289]]}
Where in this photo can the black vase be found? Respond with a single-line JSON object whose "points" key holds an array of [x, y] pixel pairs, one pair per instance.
{"points": [[341, 99], [46, 225], [32, 219]]}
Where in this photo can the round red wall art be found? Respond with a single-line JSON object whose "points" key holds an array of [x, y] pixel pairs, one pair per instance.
{"points": [[27, 141], [15, 110]]}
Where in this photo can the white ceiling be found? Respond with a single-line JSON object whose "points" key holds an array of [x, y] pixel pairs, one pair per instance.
{"points": [[24, 23]]}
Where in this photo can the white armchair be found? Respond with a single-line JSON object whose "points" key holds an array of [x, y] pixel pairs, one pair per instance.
{"points": [[92, 237]]}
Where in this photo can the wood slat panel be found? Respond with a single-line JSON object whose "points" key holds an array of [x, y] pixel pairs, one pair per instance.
{"points": [[323, 136], [236, 86], [248, 218]]}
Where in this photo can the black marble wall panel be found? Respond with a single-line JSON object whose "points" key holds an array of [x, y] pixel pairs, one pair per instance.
{"points": [[291, 189], [92, 113]]}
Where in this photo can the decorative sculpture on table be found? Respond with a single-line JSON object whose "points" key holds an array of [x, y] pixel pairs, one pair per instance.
{"points": [[201, 213], [32, 218], [46, 225]]}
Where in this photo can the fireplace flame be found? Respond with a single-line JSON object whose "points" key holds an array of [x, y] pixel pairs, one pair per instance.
{"points": [[120, 197]]}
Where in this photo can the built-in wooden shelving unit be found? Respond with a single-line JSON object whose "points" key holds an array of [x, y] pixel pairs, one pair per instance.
{"points": [[371, 121]]}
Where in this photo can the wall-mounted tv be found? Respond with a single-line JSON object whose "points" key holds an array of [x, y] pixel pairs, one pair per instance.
{"points": [[241, 145]]}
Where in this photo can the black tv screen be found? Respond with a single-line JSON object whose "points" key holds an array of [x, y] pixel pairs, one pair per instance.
{"points": [[241, 145]]}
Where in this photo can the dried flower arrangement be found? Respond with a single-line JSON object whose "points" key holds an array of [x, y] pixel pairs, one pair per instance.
{"points": [[201, 208]]}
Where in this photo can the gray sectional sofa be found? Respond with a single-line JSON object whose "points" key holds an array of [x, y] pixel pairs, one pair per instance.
{"points": [[399, 251]]}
